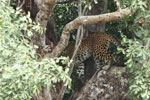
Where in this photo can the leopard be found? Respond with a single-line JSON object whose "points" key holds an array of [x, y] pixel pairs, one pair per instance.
{"points": [[95, 45]]}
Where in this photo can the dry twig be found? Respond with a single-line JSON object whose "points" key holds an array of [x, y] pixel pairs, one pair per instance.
{"points": [[118, 4]]}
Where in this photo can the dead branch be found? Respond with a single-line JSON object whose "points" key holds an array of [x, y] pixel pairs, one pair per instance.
{"points": [[84, 20], [117, 4]]}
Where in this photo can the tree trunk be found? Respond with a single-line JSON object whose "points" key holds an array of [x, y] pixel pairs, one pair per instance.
{"points": [[104, 85], [33, 6]]}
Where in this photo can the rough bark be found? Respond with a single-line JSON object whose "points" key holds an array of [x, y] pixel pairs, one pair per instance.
{"points": [[104, 85], [42, 17]]}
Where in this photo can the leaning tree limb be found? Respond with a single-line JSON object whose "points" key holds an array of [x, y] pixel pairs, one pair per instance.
{"points": [[84, 20]]}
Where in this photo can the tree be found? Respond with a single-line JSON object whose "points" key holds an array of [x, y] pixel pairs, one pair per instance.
{"points": [[23, 74], [44, 9]]}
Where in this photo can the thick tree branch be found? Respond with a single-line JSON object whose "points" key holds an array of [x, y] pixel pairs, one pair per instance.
{"points": [[46, 8], [83, 20]]}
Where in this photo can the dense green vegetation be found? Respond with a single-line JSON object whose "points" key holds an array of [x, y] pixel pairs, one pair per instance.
{"points": [[65, 13], [23, 74], [135, 34], [138, 48]]}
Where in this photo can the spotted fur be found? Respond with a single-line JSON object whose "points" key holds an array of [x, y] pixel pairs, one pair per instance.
{"points": [[95, 45]]}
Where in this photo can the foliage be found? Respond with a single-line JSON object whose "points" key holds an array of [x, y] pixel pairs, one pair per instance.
{"points": [[138, 49], [22, 73], [135, 34], [64, 14]]}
